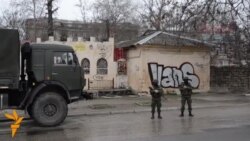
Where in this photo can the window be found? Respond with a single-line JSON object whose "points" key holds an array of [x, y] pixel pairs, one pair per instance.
{"points": [[102, 66], [122, 68], [63, 58], [85, 65], [70, 59]]}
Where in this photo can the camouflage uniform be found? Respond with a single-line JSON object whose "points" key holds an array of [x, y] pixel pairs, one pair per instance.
{"points": [[186, 91], [156, 93]]}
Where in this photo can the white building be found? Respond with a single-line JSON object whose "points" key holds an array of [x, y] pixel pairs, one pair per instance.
{"points": [[167, 58], [97, 61]]}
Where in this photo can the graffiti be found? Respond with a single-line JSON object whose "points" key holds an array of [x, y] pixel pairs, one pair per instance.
{"points": [[79, 46], [103, 50], [172, 77]]}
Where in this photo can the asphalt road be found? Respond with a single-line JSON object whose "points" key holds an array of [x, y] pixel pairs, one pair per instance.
{"points": [[220, 124]]}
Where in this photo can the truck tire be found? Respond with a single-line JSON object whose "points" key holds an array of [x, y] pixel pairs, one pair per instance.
{"points": [[49, 109]]}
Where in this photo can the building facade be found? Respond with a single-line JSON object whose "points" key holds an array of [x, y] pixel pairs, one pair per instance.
{"points": [[134, 64], [74, 29], [166, 58], [97, 61]]}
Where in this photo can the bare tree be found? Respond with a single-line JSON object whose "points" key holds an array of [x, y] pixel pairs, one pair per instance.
{"points": [[113, 12], [13, 17], [83, 7], [51, 11], [36, 10], [229, 18], [50, 18], [19, 11], [157, 12], [224, 17]]}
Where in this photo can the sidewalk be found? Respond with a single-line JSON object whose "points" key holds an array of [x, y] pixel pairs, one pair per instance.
{"points": [[135, 103], [132, 104]]}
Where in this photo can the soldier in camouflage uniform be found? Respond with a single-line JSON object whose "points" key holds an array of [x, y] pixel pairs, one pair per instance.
{"points": [[156, 93], [186, 91]]}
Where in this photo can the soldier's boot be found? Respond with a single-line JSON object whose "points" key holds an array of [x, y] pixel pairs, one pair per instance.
{"points": [[182, 107], [159, 115], [153, 115], [182, 113], [190, 113]]}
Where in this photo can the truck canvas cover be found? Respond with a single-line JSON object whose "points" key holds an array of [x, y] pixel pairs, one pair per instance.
{"points": [[9, 58]]}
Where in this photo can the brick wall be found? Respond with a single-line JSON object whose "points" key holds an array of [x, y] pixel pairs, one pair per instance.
{"points": [[232, 78]]}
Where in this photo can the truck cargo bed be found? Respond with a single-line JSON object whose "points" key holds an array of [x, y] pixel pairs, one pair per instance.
{"points": [[9, 58]]}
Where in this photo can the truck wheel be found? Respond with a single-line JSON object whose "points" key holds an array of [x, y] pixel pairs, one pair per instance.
{"points": [[49, 109]]}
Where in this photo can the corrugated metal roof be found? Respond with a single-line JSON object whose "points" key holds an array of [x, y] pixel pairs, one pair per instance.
{"points": [[167, 38], [146, 39]]}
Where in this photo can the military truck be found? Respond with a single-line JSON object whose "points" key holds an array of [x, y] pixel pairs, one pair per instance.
{"points": [[39, 78]]}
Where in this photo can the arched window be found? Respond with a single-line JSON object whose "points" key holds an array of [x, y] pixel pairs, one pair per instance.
{"points": [[85, 65], [102, 66]]}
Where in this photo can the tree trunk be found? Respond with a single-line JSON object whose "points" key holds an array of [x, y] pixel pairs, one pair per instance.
{"points": [[50, 18]]}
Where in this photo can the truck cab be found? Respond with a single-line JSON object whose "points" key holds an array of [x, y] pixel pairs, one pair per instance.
{"points": [[39, 78], [58, 64]]}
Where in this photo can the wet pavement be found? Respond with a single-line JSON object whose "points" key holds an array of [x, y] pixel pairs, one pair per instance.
{"points": [[208, 124], [128, 118], [133, 104]]}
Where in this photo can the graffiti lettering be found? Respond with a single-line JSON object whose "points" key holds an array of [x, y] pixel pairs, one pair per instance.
{"points": [[172, 77]]}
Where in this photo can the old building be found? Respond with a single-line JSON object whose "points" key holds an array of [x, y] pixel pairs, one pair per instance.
{"points": [[97, 61], [167, 58], [65, 28], [135, 63]]}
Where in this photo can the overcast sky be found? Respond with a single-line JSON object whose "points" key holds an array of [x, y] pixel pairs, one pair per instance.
{"points": [[67, 9]]}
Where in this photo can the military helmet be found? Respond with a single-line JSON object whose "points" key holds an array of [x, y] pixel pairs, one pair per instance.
{"points": [[185, 79]]}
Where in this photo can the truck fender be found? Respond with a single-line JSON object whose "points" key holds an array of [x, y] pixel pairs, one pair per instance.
{"points": [[60, 85], [43, 86]]}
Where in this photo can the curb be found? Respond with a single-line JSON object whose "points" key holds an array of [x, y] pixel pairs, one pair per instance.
{"points": [[134, 111], [149, 110]]}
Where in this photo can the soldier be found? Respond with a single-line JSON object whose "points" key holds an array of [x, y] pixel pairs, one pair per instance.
{"points": [[156, 93], [186, 91]]}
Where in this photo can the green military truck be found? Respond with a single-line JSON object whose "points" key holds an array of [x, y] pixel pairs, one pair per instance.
{"points": [[39, 78]]}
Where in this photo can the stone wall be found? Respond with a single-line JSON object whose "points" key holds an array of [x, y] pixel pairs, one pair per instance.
{"points": [[232, 78]]}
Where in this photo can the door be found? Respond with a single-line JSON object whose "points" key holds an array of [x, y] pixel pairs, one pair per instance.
{"points": [[66, 70]]}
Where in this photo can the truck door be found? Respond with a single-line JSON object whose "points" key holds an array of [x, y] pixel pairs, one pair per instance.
{"points": [[66, 70]]}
